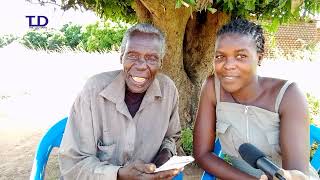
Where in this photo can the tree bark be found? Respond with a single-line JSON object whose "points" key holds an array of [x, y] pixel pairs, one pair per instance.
{"points": [[190, 41], [199, 43]]}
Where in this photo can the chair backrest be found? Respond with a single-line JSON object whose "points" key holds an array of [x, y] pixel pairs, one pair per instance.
{"points": [[315, 162], [315, 137], [50, 140]]}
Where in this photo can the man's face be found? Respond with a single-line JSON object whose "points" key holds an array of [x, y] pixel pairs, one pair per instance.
{"points": [[141, 61]]}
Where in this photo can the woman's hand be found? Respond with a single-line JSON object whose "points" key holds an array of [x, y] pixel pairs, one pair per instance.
{"points": [[290, 175]]}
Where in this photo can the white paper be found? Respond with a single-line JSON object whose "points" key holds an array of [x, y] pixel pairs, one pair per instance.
{"points": [[175, 162]]}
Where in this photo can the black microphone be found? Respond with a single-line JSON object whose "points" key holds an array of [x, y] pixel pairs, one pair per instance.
{"points": [[258, 160]]}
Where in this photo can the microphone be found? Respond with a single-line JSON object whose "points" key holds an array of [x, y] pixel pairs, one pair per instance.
{"points": [[258, 160]]}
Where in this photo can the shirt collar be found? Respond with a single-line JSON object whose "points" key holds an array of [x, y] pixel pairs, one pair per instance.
{"points": [[116, 89]]}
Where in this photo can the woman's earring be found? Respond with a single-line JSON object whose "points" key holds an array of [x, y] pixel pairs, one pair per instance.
{"points": [[259, 63]]}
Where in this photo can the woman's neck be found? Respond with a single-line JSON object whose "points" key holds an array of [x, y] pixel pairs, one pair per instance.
{"points": [[249, 94]]}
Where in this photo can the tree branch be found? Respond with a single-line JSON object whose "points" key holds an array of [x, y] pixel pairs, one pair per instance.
{"points": [[42, 3], [160, 7]]}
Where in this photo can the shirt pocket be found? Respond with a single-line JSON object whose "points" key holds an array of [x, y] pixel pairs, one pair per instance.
{"points": [[226, 136], [105, 150], [222, 127]]}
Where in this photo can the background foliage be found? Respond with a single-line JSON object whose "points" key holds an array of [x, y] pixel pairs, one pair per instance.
{"points": [[275, 11], [314, 108], [6, 40], [186, 140], [101, 36]]}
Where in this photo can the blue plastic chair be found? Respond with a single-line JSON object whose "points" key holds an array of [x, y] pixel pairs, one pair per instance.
{"points": [[50, 140], [315, 162], [315, 137]]}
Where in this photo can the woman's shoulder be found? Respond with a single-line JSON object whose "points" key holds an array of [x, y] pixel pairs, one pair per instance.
{"points": [[273, 81], [208, 82], [283, 91], [208, 88], [273, 85]]}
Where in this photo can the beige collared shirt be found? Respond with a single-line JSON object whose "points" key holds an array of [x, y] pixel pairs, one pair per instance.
{"points": [[101, 136]]}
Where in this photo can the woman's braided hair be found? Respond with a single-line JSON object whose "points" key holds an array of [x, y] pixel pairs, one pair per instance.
{"points": [[245, 27]]}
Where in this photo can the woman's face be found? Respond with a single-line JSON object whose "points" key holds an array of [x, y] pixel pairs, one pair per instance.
{"points": [[236, 60]]}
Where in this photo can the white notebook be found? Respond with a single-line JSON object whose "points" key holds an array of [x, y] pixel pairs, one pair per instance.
{"points": [[175, 162]]}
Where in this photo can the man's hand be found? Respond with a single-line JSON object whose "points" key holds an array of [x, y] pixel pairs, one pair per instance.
{"points": [[290, 175], [163, 156], [139, 170]]}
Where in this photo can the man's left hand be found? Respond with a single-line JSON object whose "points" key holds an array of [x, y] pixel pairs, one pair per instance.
{"points": [[163, 156]]}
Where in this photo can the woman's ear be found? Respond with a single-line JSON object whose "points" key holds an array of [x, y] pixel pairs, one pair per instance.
{"points": [[260, 57]]}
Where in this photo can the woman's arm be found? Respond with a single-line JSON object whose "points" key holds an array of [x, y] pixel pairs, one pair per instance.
{"points": [[204, 136], [294, 130]]}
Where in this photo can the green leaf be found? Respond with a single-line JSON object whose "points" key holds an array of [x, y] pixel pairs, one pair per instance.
{"points": [[178, 4], [282, 3], [230, 5], [266, 2], [275, 24], [191, 2], [250, 5], [212, 10]]}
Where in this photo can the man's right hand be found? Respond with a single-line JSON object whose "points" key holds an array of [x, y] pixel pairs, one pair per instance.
{"points": [[140, 170]]}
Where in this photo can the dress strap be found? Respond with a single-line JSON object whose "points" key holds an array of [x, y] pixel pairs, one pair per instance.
{"points": [[217, 88], [280, 95]]}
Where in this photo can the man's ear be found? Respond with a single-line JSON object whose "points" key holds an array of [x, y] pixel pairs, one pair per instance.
{"points": [[121, 56], [161, 63]]}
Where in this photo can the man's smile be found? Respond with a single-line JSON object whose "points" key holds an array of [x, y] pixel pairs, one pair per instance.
{"points": [[139, 80]]}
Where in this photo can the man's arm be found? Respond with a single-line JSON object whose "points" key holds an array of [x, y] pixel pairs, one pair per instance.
{"points": [[77, 153], [168, 146]]}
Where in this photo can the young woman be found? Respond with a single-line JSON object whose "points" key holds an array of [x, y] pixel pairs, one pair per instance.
{"points": [[238, 106]]}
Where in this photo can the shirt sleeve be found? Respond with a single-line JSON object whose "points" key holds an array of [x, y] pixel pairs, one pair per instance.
{"points": [[78, 151], [174, 128]]}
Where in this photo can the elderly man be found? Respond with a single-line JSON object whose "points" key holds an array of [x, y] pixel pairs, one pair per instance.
{"points": [[124, 122]]}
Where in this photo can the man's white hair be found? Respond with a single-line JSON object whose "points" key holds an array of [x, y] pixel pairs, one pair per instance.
{"points": [[144, 28]]}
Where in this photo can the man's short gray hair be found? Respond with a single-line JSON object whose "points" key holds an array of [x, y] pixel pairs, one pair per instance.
{"points": [[144, 28]]}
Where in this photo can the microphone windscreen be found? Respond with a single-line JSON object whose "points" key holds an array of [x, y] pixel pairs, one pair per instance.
{"points": [[250, 154]]}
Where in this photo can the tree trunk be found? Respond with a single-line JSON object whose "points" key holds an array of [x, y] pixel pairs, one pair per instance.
{"points": [[198, 49], [190, 41]]}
